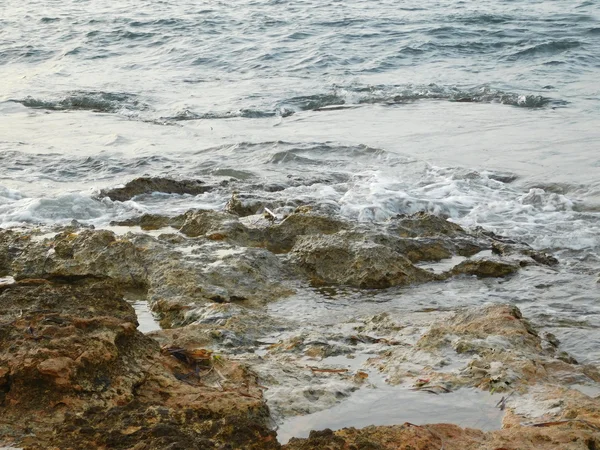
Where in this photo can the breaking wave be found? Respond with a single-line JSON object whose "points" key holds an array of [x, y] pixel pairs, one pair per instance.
{"points": [[339, 97], [103, 102]]}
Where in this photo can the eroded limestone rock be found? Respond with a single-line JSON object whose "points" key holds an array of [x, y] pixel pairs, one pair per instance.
{"points": [[485, 268], [75, 373], [149, 222], [339, 259], [147, 185], [568, 436], [422, 224], [177, 278]]}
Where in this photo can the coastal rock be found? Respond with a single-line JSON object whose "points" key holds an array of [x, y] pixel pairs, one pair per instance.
{"points": [[214, 272], [149, 222], [422, 224], [499, 351], [215, 225], [243, 205], [88, 254], [147, 185], [225, 327], [75, 373], [256, 230], [177, 277], [485, 268], [340, 259], [282, 236]]}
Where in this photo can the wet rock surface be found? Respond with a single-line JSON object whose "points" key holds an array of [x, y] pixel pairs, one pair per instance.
{"points": [[500, 350], [148, 185], [336, 259], [448, 437], [76, 373]]}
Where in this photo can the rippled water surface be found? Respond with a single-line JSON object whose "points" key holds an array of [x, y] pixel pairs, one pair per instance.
{"points": [[487, 112]]}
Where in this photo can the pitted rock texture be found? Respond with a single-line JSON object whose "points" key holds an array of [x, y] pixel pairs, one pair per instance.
{"points": [[500, 350], [335, 259], [75, 373], [569, 436], [147, 185]]}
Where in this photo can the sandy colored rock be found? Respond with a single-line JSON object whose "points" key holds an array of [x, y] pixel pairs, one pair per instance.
{"points": [[499, 349], [337, 259], [219, 225], [175, 278], [281, 237], [87, 254], [422, 224], [485, 268], [77, 374]]}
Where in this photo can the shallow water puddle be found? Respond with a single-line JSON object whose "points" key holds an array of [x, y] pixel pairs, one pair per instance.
{"points": [[147, 321], [388, 405], [443, 265], [590, 391], [5, 281]]}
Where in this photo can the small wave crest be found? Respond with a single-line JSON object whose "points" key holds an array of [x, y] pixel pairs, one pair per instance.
{"points": [[18, 210], [187, 114], [545, 49], [104, 102], [481, 94], [546, 220], [60, 168], [341, 97]]}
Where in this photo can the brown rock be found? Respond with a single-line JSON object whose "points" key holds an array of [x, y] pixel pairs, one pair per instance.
{"points": [[146, 222], [147, 185], [485, 268], [76, 374], [60, 369], [423, 224], [282, 236], [340, 259], [567, 436]]}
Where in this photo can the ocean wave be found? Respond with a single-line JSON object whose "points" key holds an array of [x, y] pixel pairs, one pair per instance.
{"points": [[348, 97], [24, 53], [339, 97], [61, 168], [96, 101], [482, 94], [243, 113], [545, 49]]}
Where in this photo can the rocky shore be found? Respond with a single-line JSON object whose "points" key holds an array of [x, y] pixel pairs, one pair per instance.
{"points": [[225, 371]]}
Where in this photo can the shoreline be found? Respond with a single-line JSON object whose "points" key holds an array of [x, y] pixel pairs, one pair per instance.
{"points": [[225, 286]]}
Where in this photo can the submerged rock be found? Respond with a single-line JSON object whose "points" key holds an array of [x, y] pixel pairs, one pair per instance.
{"points": [[147, 185]]}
